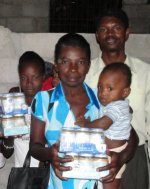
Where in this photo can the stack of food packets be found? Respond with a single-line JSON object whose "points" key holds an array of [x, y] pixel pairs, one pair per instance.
{"points": [[88, 148], [12, 110]]}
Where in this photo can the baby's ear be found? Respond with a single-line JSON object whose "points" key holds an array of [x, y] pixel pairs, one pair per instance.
{"points": [[126, 92]]}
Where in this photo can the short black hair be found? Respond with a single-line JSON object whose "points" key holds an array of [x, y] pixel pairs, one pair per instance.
{"points": [[31, 57], [120, 67], [74, 40], [114, 12], [49, 69]]}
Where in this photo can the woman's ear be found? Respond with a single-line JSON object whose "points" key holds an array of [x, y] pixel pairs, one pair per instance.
{"points": [[126, 92]]}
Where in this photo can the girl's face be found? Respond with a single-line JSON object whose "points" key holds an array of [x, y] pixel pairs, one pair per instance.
{"points": [[72, 66], [30, 79]]}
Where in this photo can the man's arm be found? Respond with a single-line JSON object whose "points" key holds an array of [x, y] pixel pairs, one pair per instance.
{"points": [[147, 109]]}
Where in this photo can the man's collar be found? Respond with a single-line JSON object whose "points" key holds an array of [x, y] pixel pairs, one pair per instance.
{"points": [[127, 61]]}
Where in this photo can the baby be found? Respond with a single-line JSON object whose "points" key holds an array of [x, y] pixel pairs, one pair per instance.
{"points": [[115, 115]]}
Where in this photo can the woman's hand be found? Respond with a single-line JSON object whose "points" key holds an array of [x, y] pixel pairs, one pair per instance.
{"points": [[113, 167], [118, 159], [57, 162]]}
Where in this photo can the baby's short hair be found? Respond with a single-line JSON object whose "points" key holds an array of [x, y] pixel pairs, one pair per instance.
{"points": [[119, 67]]}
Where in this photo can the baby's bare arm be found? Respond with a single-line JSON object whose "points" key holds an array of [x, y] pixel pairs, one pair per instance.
{"points": [[103, 122], [82, 122]]}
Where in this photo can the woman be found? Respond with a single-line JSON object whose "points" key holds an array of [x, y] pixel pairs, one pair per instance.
{"points": [[51, 110]]}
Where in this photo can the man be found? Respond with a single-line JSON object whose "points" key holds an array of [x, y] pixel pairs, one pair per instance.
{"points": [[111, 33]]}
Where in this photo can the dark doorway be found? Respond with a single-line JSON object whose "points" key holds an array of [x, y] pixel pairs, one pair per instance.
{"points": [[76, 15]]}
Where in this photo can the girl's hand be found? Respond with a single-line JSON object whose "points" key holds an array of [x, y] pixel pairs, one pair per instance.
{"points": [[12, 137], [1, 135], [57, 162]]}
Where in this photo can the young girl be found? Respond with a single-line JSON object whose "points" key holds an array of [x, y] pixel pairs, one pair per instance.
{"points": [[115, 117], [31, 71]]}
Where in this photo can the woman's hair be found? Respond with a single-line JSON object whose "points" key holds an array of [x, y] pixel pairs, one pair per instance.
{"points": [[120, 67], [30, 57], [113, 12], [73, 40]]}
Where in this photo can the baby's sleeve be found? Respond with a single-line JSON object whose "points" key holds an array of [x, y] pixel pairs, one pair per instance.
{"points": [[114, 111]]}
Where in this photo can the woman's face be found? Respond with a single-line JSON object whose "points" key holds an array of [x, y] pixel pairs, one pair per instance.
{"points": [[30, 79], [72, 66]]}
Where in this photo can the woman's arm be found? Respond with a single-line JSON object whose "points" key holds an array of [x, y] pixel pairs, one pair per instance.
{"points": [[118, 159], [128, 153], [37, 140], [42, 153]]}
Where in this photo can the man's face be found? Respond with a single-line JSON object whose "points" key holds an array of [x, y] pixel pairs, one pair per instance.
{"points": [[111, 34]]}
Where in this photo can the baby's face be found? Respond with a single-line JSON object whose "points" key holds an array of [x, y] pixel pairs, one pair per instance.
{"points": [[111, 87]]}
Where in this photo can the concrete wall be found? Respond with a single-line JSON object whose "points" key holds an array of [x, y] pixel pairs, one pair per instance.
{"points": [[25, 15], [13, 45], [139, 16], [33, 15]]}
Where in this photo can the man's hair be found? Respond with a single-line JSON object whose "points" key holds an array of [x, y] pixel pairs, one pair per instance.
{"points": [[114, 12], [73, 40], [120, 67], [30, 57]]}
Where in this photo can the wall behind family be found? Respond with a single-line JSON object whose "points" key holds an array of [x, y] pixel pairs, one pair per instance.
{"points": [[33, 15]]}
